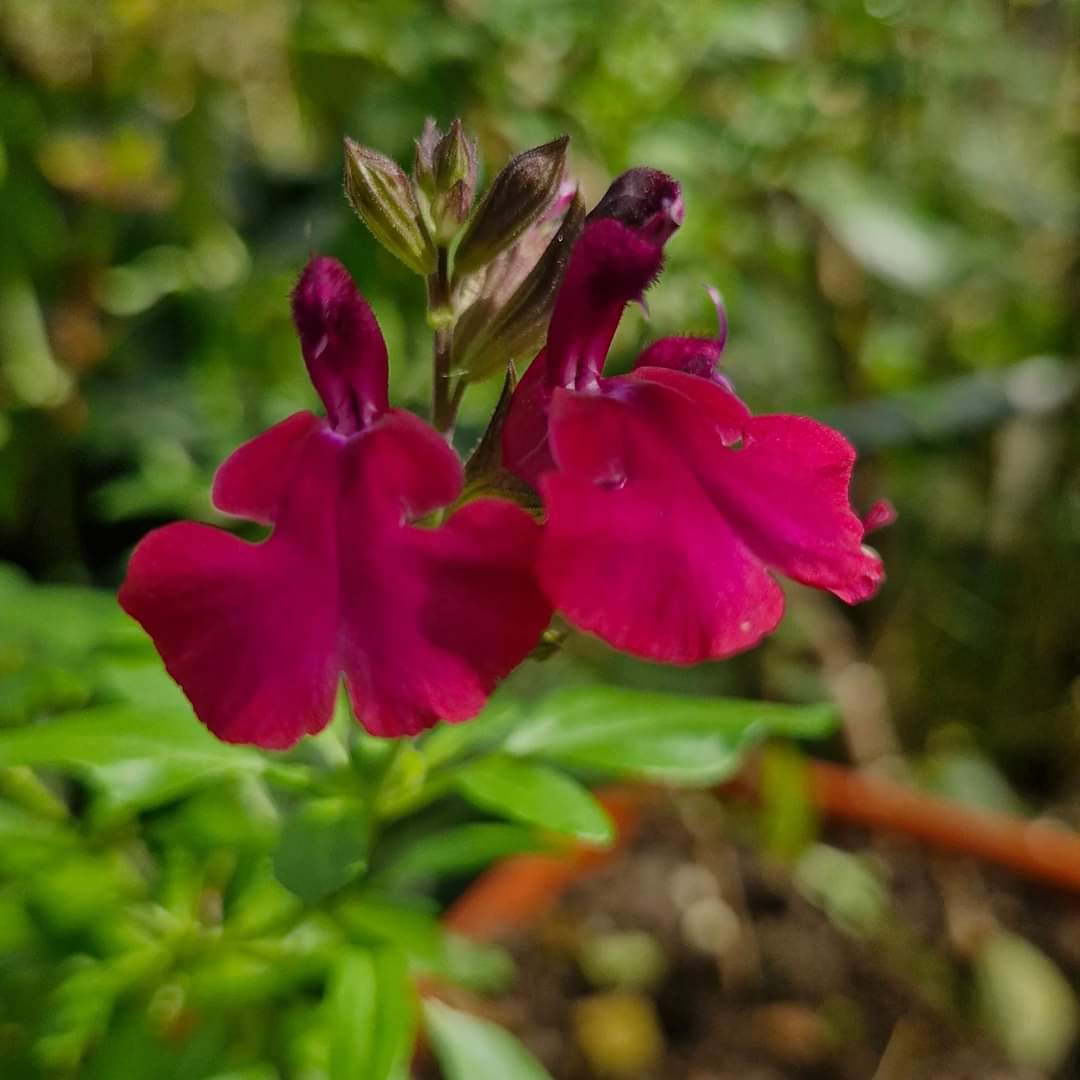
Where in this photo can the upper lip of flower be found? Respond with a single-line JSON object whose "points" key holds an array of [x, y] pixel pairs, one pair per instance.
{"points": [[342, 345]]}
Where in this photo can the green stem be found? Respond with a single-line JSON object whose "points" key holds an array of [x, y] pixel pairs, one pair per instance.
{"points": [[444, 399]]}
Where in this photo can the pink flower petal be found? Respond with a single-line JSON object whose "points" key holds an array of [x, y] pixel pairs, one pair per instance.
{"points": [[423, 621], [249, 631], [634, 550], [610, 266], [400, 470], [695, 355], [714, 406], [434, 618], [525, 446], [252, 480], [784, 491]]}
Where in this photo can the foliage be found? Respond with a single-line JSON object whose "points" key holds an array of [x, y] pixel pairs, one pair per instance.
{"points": [[886, 196]]}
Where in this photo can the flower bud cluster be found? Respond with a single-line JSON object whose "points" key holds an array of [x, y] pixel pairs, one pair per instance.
{"points": [[493, 264]]}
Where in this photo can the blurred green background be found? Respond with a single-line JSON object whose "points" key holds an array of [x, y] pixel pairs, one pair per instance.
{"points": [[885, 192]]}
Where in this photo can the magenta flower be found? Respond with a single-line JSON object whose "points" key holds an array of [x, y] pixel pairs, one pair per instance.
{"points": [[421, 622], [668, 505]]}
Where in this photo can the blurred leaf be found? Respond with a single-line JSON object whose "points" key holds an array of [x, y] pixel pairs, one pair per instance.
{"points": [[789, 820], [324, 845], [1025, 1002], [134, 758], [469, 1048], [475, 965], [847, 887], [625, 960], [111, 734], [416, 931], [33, 690], [968, 777], [369, 1005], [535, 794], [663, 737], [456, 851], [880, 228], [27, 362], [65, 619], [449, 741]]}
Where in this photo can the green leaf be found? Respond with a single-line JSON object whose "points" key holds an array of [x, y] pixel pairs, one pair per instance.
{"points": [[133, 756], [457, 851], [469, 1048], [661, 737], [374, 919], [449, 741], [882, 229], [110, 734], [535, 794], [324, 845], [370, 1015]]}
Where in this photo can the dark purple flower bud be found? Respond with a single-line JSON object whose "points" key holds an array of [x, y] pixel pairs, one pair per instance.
{"points": [[516, 198], [646, 200], [490, 335]]}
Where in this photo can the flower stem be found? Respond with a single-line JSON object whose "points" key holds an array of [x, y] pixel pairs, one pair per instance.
{"points": [[440, 315]]}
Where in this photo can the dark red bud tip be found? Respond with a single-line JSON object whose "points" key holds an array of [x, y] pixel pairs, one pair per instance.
{"points": [[342, 345], [646, 200]]}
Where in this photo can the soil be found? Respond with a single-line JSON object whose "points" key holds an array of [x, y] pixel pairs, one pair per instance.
{"points": [[724, 969]]}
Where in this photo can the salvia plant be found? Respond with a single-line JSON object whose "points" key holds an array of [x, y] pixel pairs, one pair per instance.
{"points": [[649, 509]]}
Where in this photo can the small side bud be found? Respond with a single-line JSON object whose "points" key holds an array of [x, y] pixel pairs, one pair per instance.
{"points": [[455, 160], [424, 158], [455, 183], [450, 210], [382, 195], [489, 337], [516, 198]]}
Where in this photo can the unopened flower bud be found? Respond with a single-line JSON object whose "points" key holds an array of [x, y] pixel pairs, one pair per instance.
{"points": [[424, 158], [490, 336], [382, 195], [450, 210], [647, 200], [516, 198], [455, 160]]}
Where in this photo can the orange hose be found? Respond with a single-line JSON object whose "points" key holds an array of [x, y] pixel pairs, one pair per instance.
{"points": [[1039, 850], [518, 890]]}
